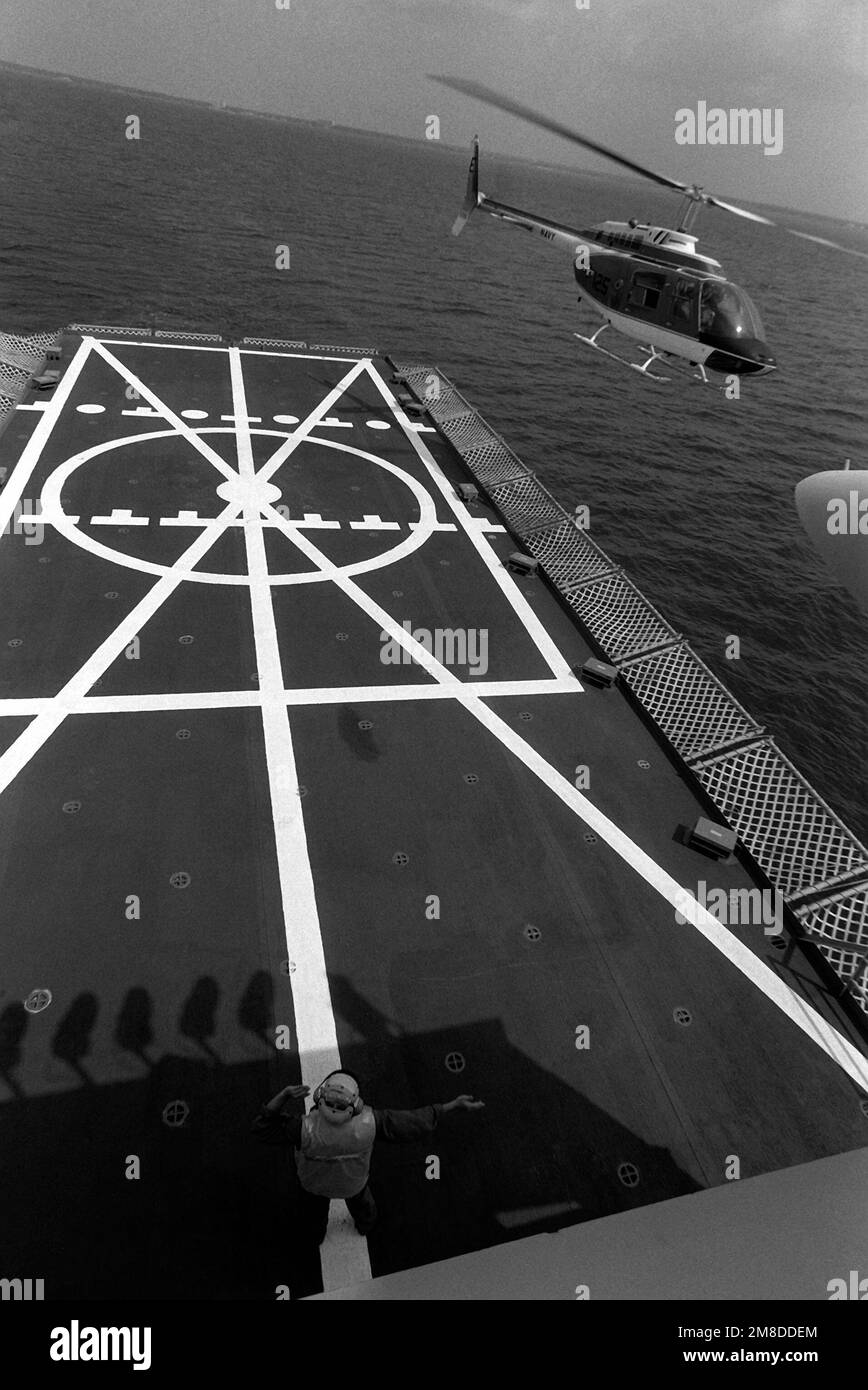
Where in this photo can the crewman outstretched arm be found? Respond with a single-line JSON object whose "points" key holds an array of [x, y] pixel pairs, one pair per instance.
{"points": [[402, 1126]]}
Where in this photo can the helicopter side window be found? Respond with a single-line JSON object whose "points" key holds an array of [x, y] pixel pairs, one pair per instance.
{"points": [[645, 290]]}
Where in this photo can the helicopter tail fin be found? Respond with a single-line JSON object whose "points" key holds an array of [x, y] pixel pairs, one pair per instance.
{"points": [[471, 196]]}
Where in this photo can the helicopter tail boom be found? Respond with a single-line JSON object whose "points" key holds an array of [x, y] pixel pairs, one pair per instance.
{"points": [[473, 199]]}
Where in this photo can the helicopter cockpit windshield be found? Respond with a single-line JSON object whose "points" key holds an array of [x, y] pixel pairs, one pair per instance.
{"points": [[727, 312]]}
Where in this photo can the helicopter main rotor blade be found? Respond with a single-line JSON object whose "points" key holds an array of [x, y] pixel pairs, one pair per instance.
{"points": [[515, 108], [767, 221]]}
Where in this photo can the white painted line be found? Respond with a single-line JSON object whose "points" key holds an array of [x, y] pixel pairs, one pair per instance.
{"points": [[187, 519], [312, 695], [305, 356], [384, 620], [344, 1253], [33, 405], [315, 519], [836, 1047], [333, 423], [53, 516], [316, 1034], [279, 457], [251, 419], [182, 428], [119, 517], [144, 411], [538, 634], [438, 526], [211, 347], [97, 338], [49, 720], [374, 523]]}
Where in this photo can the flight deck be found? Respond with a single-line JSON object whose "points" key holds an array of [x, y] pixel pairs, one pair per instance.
{"points": [[299, 769]]}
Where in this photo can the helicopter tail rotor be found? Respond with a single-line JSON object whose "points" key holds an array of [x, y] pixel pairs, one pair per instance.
{"points": [[471, 196]]}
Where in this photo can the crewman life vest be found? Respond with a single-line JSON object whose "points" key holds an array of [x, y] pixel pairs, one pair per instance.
{"points": [[334, 1160]]}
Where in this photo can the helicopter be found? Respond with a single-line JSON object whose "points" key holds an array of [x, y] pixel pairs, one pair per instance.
{"points": [[647, 283]]}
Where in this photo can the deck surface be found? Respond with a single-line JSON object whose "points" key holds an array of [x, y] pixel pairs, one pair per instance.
{"points": [[384, 864]]}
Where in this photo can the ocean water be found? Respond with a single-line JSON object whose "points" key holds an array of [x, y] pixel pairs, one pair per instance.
{"points": [[692, 493]]}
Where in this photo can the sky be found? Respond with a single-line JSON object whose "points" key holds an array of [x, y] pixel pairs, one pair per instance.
{"points": [[618, 71]]}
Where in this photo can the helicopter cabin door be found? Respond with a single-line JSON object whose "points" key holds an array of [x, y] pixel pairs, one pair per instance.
{"points": [[684, 309], [646, 299]]}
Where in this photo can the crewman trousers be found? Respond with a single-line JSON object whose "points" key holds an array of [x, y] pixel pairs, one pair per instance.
{"points": [[314, 1212]]}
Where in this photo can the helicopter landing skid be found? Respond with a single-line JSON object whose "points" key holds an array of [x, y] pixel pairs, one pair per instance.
{"points": [[637, 366]]}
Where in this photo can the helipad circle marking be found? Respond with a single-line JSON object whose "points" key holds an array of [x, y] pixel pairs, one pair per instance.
{"points": [[90, 409], [50, 500], [37, 1000], [285, 419], [175, 1113], [194, 414], [628, 1174], [71, 807], [378, 425], [455, 1061], [180, 880]]}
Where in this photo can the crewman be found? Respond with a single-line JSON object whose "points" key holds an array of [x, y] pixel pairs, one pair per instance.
{"points": [[333, 1143]]}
